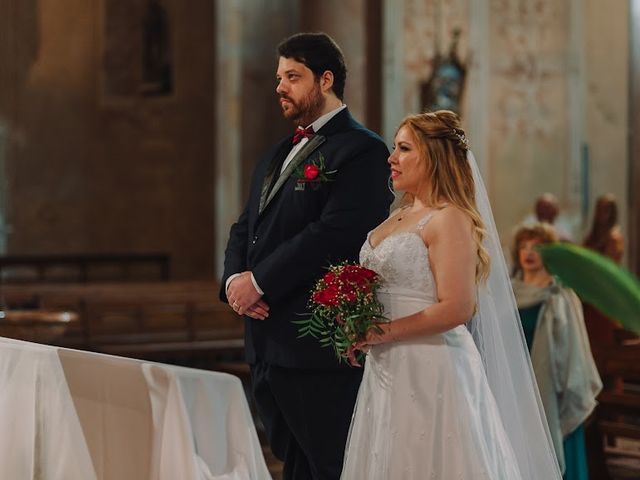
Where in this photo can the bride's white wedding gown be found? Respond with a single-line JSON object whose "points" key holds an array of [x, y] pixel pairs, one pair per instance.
{"points": [[424, 409]]}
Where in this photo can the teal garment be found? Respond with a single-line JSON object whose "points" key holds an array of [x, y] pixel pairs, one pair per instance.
{"points": [[575, 455], [529, 317], [574, 445]]}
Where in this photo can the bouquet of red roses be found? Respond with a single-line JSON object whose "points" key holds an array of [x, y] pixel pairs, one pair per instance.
{"points": [[343, 308]]}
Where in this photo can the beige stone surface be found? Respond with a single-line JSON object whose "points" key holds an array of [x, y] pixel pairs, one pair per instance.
{"points": [[91, 173], [551, 80], [607, 107]]}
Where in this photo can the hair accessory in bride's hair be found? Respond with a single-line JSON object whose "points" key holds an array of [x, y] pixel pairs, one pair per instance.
{"points": [[463, 142]]}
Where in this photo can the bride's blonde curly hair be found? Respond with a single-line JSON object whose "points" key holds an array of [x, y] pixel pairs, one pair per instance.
{"points": [[443, 145]]}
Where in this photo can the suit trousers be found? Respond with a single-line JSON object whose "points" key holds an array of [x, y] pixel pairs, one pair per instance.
{"points": [[306, 414]]}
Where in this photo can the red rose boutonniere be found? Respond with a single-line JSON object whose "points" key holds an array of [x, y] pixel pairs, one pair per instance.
{"points": [[313, 173]]}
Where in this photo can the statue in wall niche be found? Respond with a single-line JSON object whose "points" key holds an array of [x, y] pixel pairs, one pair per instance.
{"points": [[157, 70], [444, 88]]}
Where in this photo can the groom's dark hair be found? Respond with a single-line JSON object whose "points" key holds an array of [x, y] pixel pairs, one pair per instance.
{"points": [[319, 52]]}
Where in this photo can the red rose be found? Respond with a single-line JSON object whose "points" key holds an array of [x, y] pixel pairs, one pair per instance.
{"points": [[350, 296], [352, 278], [327, 296], [357, 275], [369, 274], [348, 291], [311, 171], [329, 278], [316, 297]]}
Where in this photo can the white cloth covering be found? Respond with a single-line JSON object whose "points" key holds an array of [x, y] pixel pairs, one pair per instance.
{"points": [[67, 415]]}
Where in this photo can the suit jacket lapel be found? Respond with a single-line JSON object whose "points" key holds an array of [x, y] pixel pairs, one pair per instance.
{"points": [[300, 157], [274, 167]]}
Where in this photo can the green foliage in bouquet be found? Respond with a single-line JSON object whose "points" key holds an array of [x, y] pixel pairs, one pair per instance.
{"points": [[343, 308]]}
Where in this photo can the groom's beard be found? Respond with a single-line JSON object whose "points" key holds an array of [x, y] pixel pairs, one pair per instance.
{"points": [[307, 110]]}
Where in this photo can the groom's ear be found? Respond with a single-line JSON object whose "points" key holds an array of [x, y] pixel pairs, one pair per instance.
{"points": [[326, 81]]}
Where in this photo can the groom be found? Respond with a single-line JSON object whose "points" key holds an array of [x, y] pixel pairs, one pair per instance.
{"points": [[314, 196]]}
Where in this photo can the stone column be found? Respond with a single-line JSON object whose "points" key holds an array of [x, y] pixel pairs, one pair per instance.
{"points": [[228, 122], [607, 104], [393, 56], [477, 96], [345, 23], [634, 138]]}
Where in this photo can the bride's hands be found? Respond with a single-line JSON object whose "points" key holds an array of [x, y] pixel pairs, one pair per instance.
{"points": [[375, 336], [352, 357]]}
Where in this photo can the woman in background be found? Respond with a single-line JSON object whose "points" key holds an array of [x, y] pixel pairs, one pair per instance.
{"points": [[557, 339], [605, 236]]}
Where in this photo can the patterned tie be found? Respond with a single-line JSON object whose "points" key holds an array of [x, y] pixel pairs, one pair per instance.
{"points": [[301, 133]]}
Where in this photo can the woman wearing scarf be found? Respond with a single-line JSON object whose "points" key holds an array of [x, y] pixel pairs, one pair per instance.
{"points": [[557, 339]]}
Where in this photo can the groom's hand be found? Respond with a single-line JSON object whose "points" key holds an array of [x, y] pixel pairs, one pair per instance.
{"points": [[258, 311], [243, 296]]}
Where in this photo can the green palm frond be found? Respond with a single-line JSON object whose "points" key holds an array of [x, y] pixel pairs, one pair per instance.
{"points": [[597, 280]]}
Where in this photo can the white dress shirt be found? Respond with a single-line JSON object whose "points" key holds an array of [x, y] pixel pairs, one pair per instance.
{"points": [[317, 125]]}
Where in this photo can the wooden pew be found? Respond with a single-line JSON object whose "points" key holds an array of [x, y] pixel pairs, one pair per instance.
{"points": [[618, 412], [176, 322], [169, 326], [84, 268]]}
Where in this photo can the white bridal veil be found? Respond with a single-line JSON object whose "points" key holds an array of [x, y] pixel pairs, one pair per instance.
{"points": [[498, 334]]}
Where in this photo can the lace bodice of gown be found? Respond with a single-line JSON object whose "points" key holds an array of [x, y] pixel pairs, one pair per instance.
{"points": [[402, 261]]}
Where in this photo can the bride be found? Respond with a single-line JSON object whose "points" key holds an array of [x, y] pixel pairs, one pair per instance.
{"points": [[443, 396]]}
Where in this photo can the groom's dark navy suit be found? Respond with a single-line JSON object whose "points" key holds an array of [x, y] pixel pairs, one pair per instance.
{"points": [[286, 235]]}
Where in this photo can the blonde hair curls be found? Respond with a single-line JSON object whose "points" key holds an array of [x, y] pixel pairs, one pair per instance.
{"points": [[442, 144]]}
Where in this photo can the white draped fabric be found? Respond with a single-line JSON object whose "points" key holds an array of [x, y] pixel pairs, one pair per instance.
{"points": [[72, 415]]}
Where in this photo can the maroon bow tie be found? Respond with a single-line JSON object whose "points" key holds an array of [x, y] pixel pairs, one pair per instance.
{"points": [[301, 133]]}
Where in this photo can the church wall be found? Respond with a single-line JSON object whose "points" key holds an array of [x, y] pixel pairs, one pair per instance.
{"points": [[545, 101], [91, 169]]}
